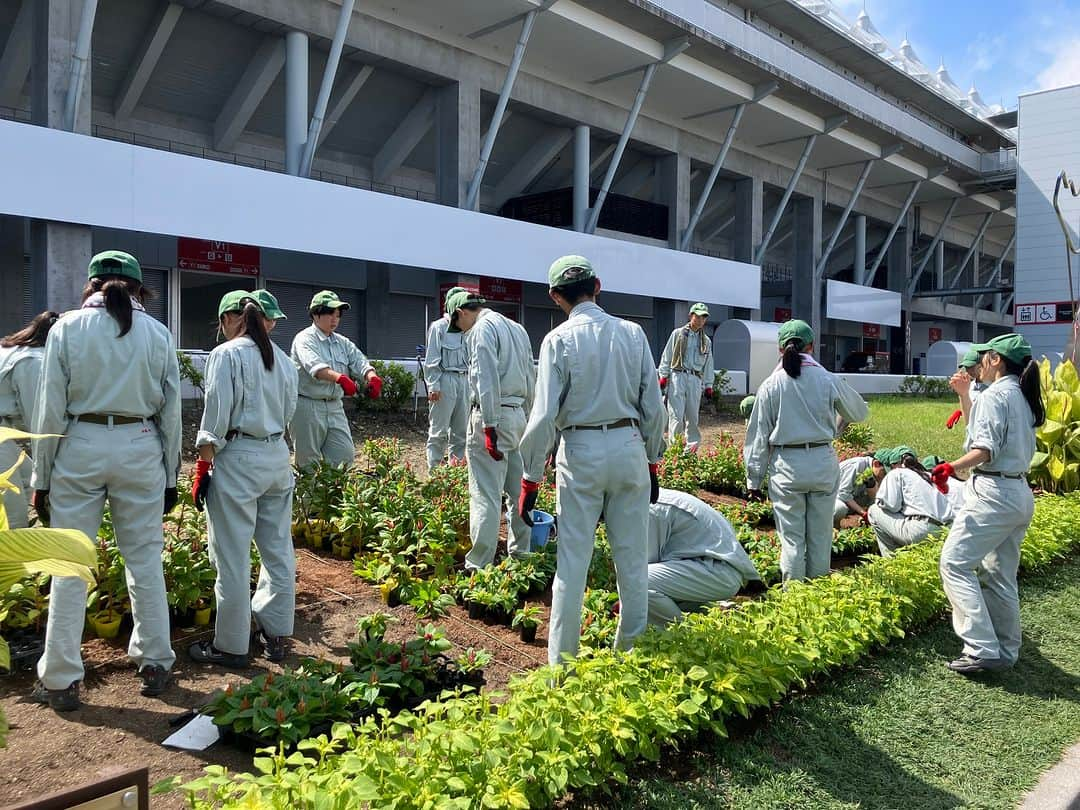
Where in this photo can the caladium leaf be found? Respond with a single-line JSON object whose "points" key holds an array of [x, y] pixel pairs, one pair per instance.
{"points": [[1066, 378], [1051, 432]]}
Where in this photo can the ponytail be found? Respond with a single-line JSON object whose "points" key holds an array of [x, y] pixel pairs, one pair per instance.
{"points": [[118, 292], [34, 333], [792, 359], [1030, 385], [909, 462], [255, 328]]}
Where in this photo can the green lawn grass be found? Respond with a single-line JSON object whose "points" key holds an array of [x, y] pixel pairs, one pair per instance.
{"points": [[898, 730], [918, 423]]}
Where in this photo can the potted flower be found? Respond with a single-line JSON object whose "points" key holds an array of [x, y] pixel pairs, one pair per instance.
{"points": [[471, 665], [202, 613], [526, 620], [390, 591]]}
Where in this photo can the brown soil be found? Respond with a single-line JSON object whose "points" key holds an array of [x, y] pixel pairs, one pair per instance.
{"points": [[118, 727]]}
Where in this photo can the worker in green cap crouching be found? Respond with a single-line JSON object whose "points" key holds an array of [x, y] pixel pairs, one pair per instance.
{"points": [[908, 508], [244, 480], [501, 385], [686, 367], [110, 387], [859, 479], [746, 406], [982, 552], [597, 386], [792, 445], [329, 366], [446, 369]]}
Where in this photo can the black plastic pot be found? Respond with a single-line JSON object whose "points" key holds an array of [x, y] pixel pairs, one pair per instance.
{"points": [[493, 615], [527, 633], [476, 611]]}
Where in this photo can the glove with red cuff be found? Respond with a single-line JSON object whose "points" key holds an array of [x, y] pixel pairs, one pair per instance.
{"points": [[200, 484], [865, 518], [491, 443], [954, 419], [347, 385], [940, 476], [374, 386], [654, 483], [708, 392], [527, 500], [663, 383]]}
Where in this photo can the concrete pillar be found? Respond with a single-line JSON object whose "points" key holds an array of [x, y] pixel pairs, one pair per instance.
{"points": [[805, 251], [860, 249], [296, 99], [749, 213], [11, 274], [673, 183], [899, 259], [581, 176], [59, 251], [457, 141], [939, 265]]}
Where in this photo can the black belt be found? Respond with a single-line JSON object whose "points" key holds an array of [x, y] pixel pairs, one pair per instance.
{"points": [[319, 399], [802, 445], [689, 371], [476, 406], [618, 423], [236, 434], [928, 519], [997, 474], [109, 419]]}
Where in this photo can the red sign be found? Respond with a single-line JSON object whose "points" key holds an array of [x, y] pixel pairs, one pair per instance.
{"points": [[217, 257], [781, 314], [497, 290], [935, 334], [871, 330]]}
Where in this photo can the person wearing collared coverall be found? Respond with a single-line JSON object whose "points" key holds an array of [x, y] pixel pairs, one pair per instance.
{"points": [[854, 494], [329, 366], [597, 387], [21, 354], [110, 386], [789, 439], [446, 372], [982, 552], [686, 366], [908, 508], [244, 478], [694, 557], [967, 385], [501, 386]]}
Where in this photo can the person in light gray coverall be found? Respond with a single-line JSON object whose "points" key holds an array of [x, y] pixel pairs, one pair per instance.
{"points": [[694, 557], [244, 480], [789, 438], [686, 367], [908, 507], [110, 385], [21, 354], [597, 386], [982, 552], [446, 369], [855, 494], [328, 366], [501, 384]]}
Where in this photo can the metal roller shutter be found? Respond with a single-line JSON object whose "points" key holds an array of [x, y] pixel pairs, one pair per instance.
{"points": [[538, 322], [294, 299], [405, 328], [157, 279], [27, 290]]}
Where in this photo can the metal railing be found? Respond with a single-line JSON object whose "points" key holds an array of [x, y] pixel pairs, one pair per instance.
{"points": [[1001, 162]]}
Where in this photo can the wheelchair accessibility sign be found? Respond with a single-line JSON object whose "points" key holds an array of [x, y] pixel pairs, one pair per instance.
{"points": [[1046, 313]]}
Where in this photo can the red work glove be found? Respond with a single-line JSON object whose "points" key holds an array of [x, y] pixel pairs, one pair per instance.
{"points": [[954, 419], [200, 484], [374, 386], [491, 443], [654, 483], [663, 383], [347, 385], [527, 500], [40, 502], [865, 518], [940, 476], [708, 393]]}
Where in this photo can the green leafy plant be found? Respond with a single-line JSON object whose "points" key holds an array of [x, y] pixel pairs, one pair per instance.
{"points": [[1056, 464], [398, 386], [922, 386], [528, 616], [190, 372]]}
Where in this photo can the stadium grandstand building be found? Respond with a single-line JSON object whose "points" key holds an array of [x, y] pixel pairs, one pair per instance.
{"points": [[769, 157]]}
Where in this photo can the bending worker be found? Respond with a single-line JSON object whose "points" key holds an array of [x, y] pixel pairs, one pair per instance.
{"points": [[967, 385], [597, 386], [792, 444], [20, 369], [110, 385], [909, 508], [328, 365], [859, 479], [694, 557], [685, 367], [501, 383], [244, 479], [446, 368]]}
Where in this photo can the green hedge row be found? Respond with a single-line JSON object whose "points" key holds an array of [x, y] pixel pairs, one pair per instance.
{"points": [[584, 725]]}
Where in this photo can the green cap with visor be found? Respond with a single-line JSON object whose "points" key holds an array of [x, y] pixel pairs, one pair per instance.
{"points": [[1012, 347], [236, 300], [795, 329], [269, 305], [931, 461], [699, 309], [883, 455], [114, 263], [898, 453], [569, 269], [450, 292], [746, 406], [970, 358], [328, 299], [456, 300]]}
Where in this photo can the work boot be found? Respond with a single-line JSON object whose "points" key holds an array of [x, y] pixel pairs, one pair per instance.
{"points": [[273, 646], [204, 652], [59, 700], [970, 665], [155, 678]]}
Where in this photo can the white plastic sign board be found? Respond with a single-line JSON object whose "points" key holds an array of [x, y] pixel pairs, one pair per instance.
{"points": [[856, 302]]}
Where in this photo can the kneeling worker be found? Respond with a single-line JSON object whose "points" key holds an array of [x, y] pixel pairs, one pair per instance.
{"points": [[909, 507], [694, 557], [859, 479]]}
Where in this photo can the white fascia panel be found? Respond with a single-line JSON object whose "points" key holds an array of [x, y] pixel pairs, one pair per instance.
{"points": [[857, 302]]}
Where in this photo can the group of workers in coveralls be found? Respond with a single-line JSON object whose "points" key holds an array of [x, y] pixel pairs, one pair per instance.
{"points": [[107, 403]]}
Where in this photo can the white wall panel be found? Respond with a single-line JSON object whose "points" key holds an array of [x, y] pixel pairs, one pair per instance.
{"points": [[856, 302]]}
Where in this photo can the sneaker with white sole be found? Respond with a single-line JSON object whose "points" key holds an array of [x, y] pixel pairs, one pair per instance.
{"points": [[971, 665]]}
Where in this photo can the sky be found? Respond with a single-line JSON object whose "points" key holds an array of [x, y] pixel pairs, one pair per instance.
{"points": [[1005, 48]]}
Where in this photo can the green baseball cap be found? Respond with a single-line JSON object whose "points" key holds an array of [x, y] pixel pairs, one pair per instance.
{"points": [[446, 300], [931, 461], [328, 299], [883, 456], [1011, 346], [114, 263], [898, 453], [795, 329], [269, 305], [970, 358], [568, 269], [456, 300], [236, 300], [746, 406], [699, 309]]}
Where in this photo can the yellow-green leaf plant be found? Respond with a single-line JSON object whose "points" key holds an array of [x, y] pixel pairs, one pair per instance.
{"points": [[23, 552], [1056, 464]]}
